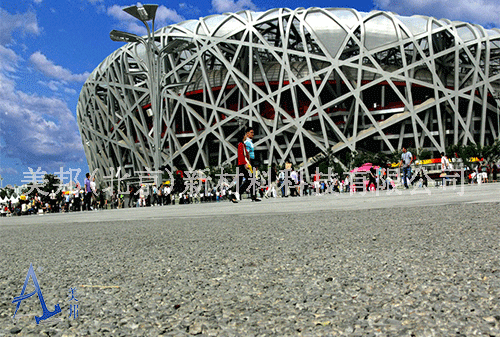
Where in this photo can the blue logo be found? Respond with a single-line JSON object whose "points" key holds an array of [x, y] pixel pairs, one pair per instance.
{"points": [[46, 312]]}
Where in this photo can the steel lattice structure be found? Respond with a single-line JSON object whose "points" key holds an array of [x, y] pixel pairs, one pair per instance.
{"points": [[311, 81]]}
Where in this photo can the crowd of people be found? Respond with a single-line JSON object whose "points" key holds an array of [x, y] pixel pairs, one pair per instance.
{"points": [[256, 185]]}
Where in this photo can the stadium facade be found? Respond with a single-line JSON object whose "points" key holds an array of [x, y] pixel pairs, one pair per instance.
{"points": [[310, 81]]}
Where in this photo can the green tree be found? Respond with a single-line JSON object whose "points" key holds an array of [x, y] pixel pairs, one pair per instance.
{"points": [[6, 192], [50, 183], [490, 153], [395, 156], [424, 154]]}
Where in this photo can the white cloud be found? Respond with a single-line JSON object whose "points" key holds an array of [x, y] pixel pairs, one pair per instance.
{"points": [[221, 6], [8, 59], [52, 85], [117, 12], [8, 170], [38, 130], [164, 16], [37, 1], [136, 28], [27, 23], [58, 86], [483, 12], [48, 68]]}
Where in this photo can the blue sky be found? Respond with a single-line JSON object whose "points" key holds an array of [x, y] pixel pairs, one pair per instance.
{"points": [[48, 48]]}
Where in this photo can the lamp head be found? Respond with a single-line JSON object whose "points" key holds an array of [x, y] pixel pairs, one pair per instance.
{"points": [[143, 13], [120, 36]]}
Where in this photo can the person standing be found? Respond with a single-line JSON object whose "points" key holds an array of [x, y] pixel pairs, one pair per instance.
{"points": [[281, 179], [142, 201], [445, 166], [406, 160], [93, 187], [272, 182], [316, 182], [159, 196], [53, 201], [76, 198], [294, 183], [103, 203], [166, 195], [445, 163], [155, 196], [132, 196], [88, 192], [347, 184]]}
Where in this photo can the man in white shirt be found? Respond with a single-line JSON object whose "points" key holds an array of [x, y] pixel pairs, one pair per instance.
{"points": [[93, 186], [445, 163], [53, 201], [295, 183], [166, 195], [445, 166], [281, 179], [406, 160]]}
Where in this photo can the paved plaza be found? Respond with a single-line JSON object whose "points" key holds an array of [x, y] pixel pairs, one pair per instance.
{"points": [[409, 263]]}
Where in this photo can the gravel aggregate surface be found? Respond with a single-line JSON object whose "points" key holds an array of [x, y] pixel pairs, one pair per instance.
{"points": [[390, 271]]}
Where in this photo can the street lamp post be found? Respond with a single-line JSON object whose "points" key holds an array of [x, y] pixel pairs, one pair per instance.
{"points": [[154, 55]]}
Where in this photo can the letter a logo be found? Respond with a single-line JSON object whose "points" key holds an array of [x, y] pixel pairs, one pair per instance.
{"points": [[38, 291]]}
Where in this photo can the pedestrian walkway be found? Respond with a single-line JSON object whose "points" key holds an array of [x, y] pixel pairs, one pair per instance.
{"points": [[370, 200]]}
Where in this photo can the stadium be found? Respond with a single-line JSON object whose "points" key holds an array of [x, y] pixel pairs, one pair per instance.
{"points": [[311, 82]]}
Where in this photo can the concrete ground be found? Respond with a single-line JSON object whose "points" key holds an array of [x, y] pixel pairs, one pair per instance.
{"points": [[409, 263]]}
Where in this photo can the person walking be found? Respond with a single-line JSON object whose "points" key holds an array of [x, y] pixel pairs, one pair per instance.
{"points": [[245, 167], [406, 160], [248, 141], [372, 179]]}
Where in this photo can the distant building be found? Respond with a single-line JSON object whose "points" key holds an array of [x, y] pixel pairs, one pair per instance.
{"points": [[310, 81]]}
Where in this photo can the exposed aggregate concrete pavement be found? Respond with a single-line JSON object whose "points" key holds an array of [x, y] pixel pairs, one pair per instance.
{"points": [[415, 271]]}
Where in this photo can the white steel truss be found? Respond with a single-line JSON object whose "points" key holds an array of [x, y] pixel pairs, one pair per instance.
{"points": [[309, 81]]}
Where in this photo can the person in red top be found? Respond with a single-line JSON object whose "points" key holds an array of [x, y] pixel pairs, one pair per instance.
{"points": [[244, 169], [317, 178]]}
